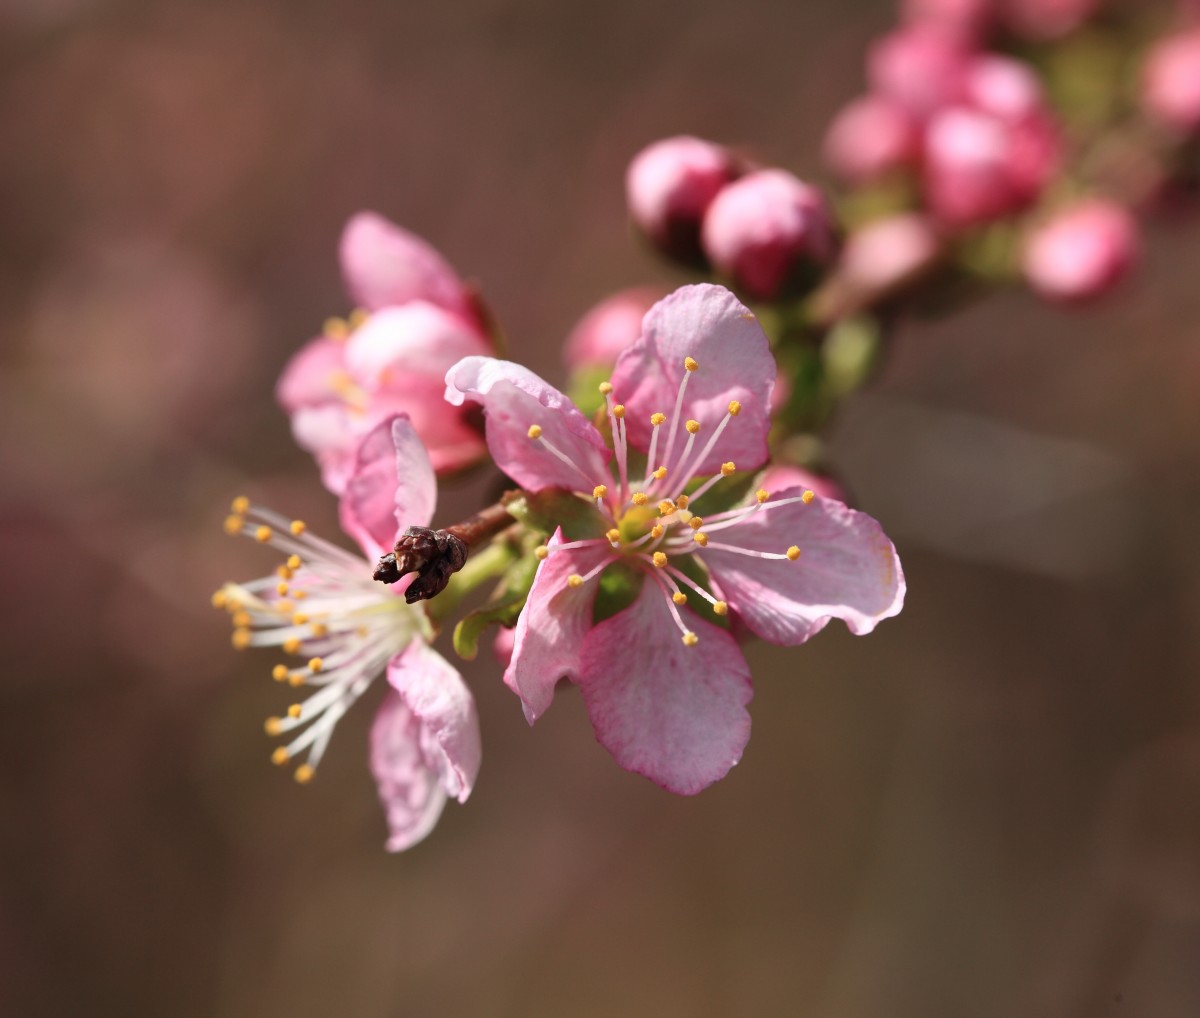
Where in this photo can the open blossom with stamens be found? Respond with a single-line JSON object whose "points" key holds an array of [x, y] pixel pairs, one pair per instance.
{"points": [[416, 318], [665, 684], [342, 631]]}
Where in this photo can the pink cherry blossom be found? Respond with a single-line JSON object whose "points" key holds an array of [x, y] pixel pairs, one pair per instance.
{"points": [[666, 687], [1082, 252], [605, 331], [919, 67], [871, 137], [966, 19], [887, 254], [1171, 82], [1047, 19], [322, 607], [417, 320]]}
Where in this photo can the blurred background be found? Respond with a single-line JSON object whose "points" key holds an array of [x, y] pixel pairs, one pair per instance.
{"points": [[990, 807]]}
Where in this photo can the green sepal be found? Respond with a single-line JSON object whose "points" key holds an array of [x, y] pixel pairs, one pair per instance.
{"points": [[505, 605], [850, 352], [556, 507], [617, 588]]}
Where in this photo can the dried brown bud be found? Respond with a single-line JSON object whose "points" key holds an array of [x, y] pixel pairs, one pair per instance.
{"points": [[434, 555]]}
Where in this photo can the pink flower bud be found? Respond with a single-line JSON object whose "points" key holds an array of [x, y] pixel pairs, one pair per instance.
{"points": [[607, 329], [888, 253], [1082, 252], [1171, 81], [919, 67], [1047, 19], [965, 19], [871, 137], [1005, 88], [770, 233], [669, 186]]}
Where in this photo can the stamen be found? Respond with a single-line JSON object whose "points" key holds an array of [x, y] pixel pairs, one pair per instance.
{"points": [[639, 498], [293, 562], [280, 673], [233, 525], [660, 473], [535, 433], [720, 608], [720, 521], [358, 318], [737, 550], [541, 551], [690, 639], [695, 523], [669, 589], [304, 774], [792, 553], [614, 537], [575, 580], [689, 366], [298, 527], [336, 328], [616, 424], [656, 422], [701, 538], [659, 559], [733, 410], [679, 597], [605, 388], [262, 535], [666, 507], [240, 505]]}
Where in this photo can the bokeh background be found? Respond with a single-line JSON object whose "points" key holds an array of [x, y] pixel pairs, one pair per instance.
{"points": [[990, 807]]}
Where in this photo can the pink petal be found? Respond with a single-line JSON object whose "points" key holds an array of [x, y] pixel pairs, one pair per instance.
{"points": [[392, 487], [709, 324], [551, 627], [673, 713], [411, 793], [329, 432], [513, 399], [312, 374], [398, 343], [847, 570], [384, 265], [439, 699]]}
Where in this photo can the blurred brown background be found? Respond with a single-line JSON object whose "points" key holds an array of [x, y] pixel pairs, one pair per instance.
{"points": [[991, 807]]}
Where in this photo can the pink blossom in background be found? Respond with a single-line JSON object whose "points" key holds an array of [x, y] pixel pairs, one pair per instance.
{"points": [[779, 476], [669, 186], [966, 19], [610, 327], [418, 318], [1082, 252], [919, 68], [771, 233], [666, 689], [871, 137], [1005, 88], [1047, 19], [323, 608], [887, 254], [1171, 82]]}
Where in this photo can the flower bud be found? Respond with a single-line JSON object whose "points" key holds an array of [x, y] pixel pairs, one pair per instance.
{"points": [[604, 332], [771, 233], [964, 19], [669, 186], [918, 67], [1171, 82], [871, 137], [885, 255], [1047, 19], [1082, 252], [1005, 88]]}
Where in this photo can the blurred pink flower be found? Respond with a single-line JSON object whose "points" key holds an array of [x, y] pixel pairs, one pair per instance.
{"points": [[886, 254], [1171, 81], [771, 233], [779, 476], [608, 329], [1047, 19], [919, 67], [668, 187], [322, 606], [418, 318], [1082, 252], [871, 137], [966, 19], [663, 708]]}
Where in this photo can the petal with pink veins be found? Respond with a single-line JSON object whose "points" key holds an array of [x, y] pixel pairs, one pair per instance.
{"points": [[847, 569], [675, 714], [552, 625], [710, 325], [570, 453], [411, 793]]}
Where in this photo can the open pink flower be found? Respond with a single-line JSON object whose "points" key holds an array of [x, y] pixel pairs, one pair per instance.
{"points": [[417, 319], [665, 688], [322, 607]]}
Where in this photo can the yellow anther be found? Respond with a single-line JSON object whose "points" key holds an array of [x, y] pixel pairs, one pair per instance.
{"points": [[682, 502], [220, 599], [639, 498], [605, 388], [299, 619], [660, 560], [793, 553], [689, 364], [735, 408], [657, 531], [574, 580], [297, 527], [295, 679], [280, 756], [600, 491], [315, 664], [700, 537], [619, 411], [613, 535], [358, 318], [234, 524], [692, 427], [535, 431], [240, 505], [241, 619], [262, 534], [336, 328], [720, 608], [541, 551], [660, 473], [679, 597], [695, 523], [281, 588], [304, 774], [666, 507], [293, 562], [727, 468], [762, 495], [690, 639], [299, 595], [240, 639], [319, 629], [291, 645], [807, 497], [284, 607], [283, 572], [657, 419], [295, 710], [273, 726], [280, 673]]}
